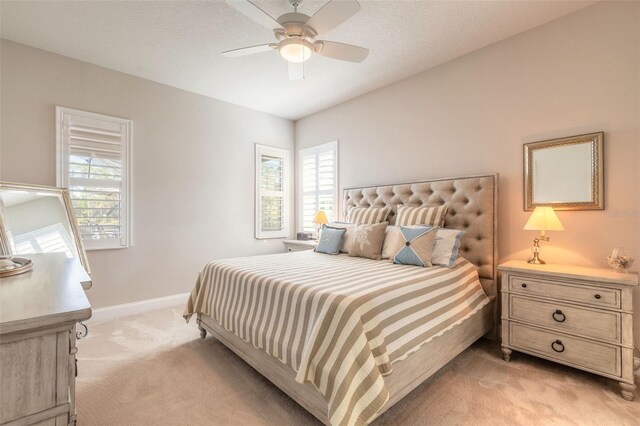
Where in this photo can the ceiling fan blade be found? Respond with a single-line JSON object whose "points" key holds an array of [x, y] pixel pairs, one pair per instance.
{"points": [[244, 51], [342, 51], [296, 70], [254, 12], [333, 14]]}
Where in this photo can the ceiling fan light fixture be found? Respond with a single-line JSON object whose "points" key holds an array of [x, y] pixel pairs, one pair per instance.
{"points": [[295, 49], [296, 34]]}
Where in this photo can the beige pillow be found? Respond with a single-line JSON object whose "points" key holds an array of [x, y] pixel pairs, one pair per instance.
{"points": [[392, 242], [367, 214], [348, 237], [368, 240], [433, 216]]}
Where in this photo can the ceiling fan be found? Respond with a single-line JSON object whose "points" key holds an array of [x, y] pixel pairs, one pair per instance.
{"points": [[296, 34]]}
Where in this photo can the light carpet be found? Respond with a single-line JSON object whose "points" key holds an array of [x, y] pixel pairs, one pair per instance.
{"points": [[153, 369]]}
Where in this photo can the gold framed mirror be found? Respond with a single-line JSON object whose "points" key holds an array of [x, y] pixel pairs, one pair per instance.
{"points": [[39, 219], [565, 173]]}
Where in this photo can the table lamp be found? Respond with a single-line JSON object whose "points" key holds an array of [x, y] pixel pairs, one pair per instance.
{"points": [[320, 219], [542, 219]]}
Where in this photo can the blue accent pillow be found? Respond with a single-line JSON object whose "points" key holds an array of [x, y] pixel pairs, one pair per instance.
{"points": [[418, 246], [330, 240]]}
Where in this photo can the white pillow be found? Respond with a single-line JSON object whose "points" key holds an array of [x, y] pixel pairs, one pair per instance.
{"points": [[447, 245]]}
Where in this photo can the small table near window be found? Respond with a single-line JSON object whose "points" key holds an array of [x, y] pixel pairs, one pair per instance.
{"points": [[299, 245]]}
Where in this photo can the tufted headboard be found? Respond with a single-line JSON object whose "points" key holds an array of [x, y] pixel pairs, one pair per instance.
{"points": [[472, 204]]}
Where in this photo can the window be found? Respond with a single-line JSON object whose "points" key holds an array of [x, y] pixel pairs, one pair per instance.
{"points": [[272, 192], [318, 183], [93, 161]]}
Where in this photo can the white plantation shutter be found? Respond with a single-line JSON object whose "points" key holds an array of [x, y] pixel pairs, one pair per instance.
{"points": [[318, 187], [272, 192], [93, 153]]}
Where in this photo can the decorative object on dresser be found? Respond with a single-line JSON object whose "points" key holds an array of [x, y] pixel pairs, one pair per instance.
{"points": [[298, 245], [542, 219], [619, 261], [577, 316], [38, 315], [10, 265], [566, 173]]}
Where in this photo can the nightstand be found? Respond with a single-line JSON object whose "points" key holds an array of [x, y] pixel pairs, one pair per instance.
{"points": [[576, 316], [299, 245]]}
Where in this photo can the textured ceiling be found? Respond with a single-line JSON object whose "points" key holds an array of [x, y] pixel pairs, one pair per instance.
{"points": [[178, 43]]}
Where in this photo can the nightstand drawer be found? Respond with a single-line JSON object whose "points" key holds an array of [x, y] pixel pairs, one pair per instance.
{"points": [[560, 347], [588, 322], [595, 296], [298, 248], [299, 245]]}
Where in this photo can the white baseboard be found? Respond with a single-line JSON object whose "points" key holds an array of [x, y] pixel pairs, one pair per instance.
{"points": [[127, 309]]}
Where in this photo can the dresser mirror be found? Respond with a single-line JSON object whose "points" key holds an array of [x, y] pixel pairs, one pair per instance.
{"points": [[38, 219], [566, 174]]}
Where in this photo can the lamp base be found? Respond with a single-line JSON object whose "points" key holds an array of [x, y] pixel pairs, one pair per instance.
{"points": [[536, 260], [536, 249]]}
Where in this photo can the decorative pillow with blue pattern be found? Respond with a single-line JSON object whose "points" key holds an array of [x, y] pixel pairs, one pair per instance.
{"points": [[418, 246], [330, 240]]}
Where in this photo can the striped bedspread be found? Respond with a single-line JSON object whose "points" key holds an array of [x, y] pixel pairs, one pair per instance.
{"points": [[340, 322]]}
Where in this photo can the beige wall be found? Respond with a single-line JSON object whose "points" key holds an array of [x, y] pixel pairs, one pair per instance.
{"points": [[193, 157], [576, 75]]}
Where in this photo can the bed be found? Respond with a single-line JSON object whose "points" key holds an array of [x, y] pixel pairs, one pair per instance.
{"points": [[348, 337]]}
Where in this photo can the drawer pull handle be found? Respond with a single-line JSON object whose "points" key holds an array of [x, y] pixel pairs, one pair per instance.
{"points": [[559, 316], [556, 344], [524, 285], [597, 296]]}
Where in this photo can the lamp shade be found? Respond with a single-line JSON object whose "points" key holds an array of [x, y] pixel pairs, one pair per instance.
{"points": [[543, 219], [320, 218]]}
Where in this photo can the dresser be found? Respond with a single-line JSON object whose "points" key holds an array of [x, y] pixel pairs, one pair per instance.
{"points": [[299, 245], [38, 314], [577, 316]]}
